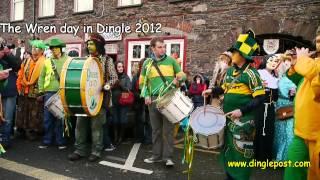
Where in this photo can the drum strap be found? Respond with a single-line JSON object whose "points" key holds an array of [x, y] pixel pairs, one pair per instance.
{"points": [[234, 80], [54, 68], [154, 63]]}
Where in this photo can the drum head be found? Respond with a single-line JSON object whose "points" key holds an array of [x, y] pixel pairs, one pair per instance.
{"points": [[91, 86], [212, 121]]}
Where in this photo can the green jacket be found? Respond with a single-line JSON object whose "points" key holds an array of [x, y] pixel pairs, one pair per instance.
{"points": [[47, 80], [4, 82], [150, 81]]}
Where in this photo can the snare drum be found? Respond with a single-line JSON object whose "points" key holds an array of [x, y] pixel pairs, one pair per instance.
{"points": [[208, 123], [175, 105], [81, 86], [54, 105]]}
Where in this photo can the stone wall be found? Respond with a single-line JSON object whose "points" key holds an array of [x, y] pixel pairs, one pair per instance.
{"points": [[210, 25]]}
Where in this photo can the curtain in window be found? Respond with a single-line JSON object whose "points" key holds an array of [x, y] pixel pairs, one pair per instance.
{"points": [[83, 5], [47, 7], [129, 2], [18, 9]]}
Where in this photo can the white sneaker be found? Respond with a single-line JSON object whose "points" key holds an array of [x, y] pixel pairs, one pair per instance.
{"points": [[152, 160], [169, 162], [110, 148], [62, 147]]}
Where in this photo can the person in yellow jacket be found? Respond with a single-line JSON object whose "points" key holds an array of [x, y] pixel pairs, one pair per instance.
{"points": [[48, 83], [305, 145]]}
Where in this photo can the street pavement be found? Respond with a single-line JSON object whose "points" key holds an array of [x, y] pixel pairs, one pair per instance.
{"points": [[25, 161]]}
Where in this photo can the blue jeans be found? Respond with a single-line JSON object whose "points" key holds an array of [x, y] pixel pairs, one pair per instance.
{"points": [[9, 107], [53, 127], [106, 135], [147, 127], [119, 114]]}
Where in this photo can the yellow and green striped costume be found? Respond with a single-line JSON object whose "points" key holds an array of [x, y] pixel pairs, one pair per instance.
{"points": [[239, 93], [150, 81]]}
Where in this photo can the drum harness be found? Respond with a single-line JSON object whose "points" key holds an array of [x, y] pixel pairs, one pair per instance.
{"points": [[162, 89], [65, 120], [242, 146]]}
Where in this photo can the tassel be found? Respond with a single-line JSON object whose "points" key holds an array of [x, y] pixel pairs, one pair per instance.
{"points": [[2, 149]]}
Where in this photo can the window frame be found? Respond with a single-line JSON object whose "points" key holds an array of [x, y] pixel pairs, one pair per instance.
{"points": [[76, 7], [40, 10], [130, 5], [13, 10]]}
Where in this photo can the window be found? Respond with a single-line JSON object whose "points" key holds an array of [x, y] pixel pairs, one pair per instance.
{"points": [[17, 10], [129, 2], [83, 5], [46, 8], [138, 49]]}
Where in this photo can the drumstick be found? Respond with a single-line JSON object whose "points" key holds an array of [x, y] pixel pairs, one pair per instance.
{"points": [[204, 104]]}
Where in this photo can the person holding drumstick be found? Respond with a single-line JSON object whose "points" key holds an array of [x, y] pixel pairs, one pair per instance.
{"points": [[49, 82], [150, 81], [219, 73], [95, 48], [243, 93]]}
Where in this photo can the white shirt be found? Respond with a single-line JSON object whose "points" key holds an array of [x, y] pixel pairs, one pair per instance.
{"points": [[269, 79]]}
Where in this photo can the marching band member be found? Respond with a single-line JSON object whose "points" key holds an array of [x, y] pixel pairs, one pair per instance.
{"points": [[305, 146], [243, 93], [265, 119], [219, 73], [49, 82], [95, 48], [150, 82], [283, 127]]}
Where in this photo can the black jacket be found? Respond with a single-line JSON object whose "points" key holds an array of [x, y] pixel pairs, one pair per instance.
{"points": [[124, 84], [12, 62]]}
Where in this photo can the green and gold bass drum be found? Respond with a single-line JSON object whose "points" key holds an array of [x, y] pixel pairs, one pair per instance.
{"points": [[81, 86]]}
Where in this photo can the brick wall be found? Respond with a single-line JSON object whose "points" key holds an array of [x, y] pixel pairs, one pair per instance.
{"points": [[210, 25]]}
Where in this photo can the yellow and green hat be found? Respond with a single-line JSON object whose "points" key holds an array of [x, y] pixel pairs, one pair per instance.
{"points": [[246, 45]]}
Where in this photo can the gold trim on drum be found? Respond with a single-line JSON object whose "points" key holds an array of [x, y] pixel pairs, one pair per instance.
{"points": [[62, 85], [102, 84], [83, 81]]}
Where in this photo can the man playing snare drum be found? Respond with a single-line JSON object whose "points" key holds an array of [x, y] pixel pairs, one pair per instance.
{"points": [[151, 84], [243, 93], [95, 47], [49, 82]]}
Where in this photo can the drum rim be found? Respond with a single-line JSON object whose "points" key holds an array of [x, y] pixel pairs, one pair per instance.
{"points": [[174, 90], [62, 85], [83, 80]]}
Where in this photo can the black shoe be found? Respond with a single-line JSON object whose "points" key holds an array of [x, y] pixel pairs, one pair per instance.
{"points": [[93, 158], [74, 157]]}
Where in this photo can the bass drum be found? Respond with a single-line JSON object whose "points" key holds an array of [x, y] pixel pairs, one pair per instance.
{"points": [[81, 86]]}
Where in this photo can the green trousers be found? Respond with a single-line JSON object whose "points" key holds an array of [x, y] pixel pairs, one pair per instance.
{"points": [[231, 154], [95, 126], [298, 151]]}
